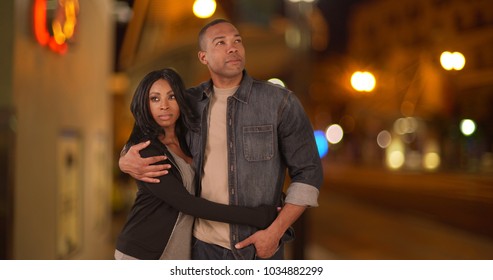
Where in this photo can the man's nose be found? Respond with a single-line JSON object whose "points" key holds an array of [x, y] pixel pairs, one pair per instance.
{"points": [[232, 49]]}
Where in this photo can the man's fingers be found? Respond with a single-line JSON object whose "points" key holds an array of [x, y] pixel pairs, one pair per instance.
{"points": [[244, 243], [152, 173], [155, 168], [140, 146], [149, 180], [154, 159], [149, 177], [155, 174]]}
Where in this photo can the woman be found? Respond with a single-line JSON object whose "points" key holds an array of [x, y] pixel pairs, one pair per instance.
{"points": [[158, 226]]}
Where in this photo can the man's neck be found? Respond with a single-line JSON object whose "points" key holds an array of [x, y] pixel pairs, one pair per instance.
{"points": [[222, 82]]}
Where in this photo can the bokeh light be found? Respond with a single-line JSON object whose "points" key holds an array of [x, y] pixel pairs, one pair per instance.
{"points": [[467, 127], [395, 157], [363, 81], [277, 81], [405, 125], [452, 61], [204, 8], [334, 134], [431, 161], [384, 138], [322, 144]]}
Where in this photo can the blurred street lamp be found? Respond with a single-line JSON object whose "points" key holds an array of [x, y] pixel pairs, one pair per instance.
{"points": [[334, 133], [467, 127], [452, 61], [204, 8], [363, 81], [277, 81]]}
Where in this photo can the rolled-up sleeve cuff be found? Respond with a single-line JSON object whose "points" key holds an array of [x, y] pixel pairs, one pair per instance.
{"points": [[302, 195]]}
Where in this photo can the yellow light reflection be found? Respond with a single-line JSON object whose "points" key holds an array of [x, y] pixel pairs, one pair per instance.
{"points": [[405, 125], [452, 61], [395, 160], [395, 157], [431, 161], [277, 81], [363, 81], [204, 8]]}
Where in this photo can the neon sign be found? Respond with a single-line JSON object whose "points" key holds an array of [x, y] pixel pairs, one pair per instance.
{"points": [[54, 23]]}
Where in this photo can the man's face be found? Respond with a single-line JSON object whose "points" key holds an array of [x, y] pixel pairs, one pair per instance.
{"points": [[223, 51]]}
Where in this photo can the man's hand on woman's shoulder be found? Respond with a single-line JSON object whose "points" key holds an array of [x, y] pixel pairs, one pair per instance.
{"points": [[142, 168]]}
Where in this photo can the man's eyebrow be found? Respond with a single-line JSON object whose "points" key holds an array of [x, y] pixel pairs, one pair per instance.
{"points": [[222, 37], [218, 38]]}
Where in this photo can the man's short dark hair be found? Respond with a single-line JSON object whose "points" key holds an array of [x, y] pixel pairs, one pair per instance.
{"points": [[204, 29]]}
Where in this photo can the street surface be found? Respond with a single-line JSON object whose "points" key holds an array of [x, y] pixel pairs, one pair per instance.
{"points": [[375, 214]]}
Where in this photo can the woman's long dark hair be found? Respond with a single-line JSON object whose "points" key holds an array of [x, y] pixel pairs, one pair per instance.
{"points": [[145, 127]]}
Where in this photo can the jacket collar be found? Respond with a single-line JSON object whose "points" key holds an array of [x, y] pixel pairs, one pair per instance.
{"points": [[242, 94]]}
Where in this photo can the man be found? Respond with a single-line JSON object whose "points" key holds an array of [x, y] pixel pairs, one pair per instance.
{"points": [[251, 132]]}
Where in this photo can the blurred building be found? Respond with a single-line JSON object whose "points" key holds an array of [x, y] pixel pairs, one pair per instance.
{"points": [[412, 119], [420, 141], [56, 129]]}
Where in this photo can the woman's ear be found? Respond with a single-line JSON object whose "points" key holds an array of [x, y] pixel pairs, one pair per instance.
{"points": [[202, 57]]}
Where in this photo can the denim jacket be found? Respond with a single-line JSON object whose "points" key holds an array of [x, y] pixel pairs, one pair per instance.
{"points": [[268, 132]]}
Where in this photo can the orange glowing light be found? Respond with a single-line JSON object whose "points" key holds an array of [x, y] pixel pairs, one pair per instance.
{"points": [[62, 24], [42, 35]]}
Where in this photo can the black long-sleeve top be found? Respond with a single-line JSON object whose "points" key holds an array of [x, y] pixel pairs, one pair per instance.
{"points": [[156, 207]]}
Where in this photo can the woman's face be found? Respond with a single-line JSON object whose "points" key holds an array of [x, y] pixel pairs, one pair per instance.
{"points": [[163, 104]]}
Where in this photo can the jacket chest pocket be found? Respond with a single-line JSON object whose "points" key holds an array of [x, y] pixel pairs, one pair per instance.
{"points": [[258, 142]]}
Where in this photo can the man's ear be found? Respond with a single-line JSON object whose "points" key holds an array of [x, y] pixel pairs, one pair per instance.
{"points": [[202, 58]]}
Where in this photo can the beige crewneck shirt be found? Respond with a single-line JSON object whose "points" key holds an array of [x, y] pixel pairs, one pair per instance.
{"points": [[215, 177]]}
